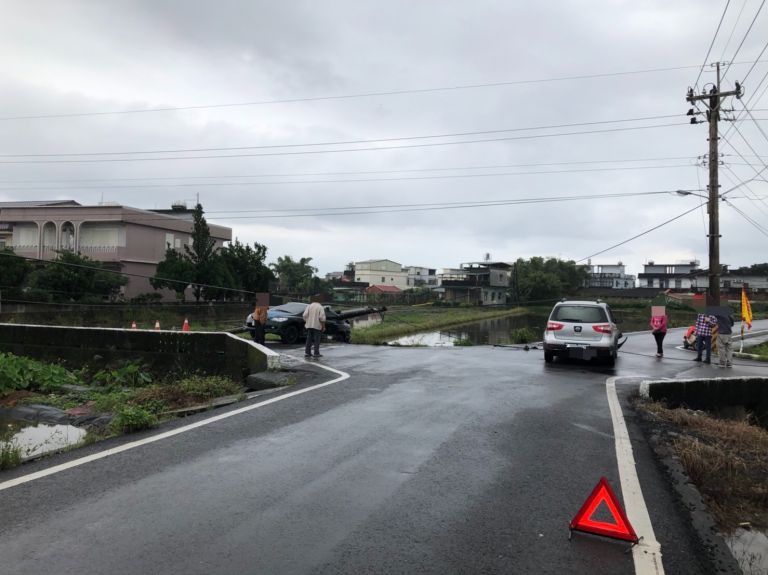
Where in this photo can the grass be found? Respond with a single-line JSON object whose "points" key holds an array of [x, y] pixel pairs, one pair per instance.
{"points": [[761, 350], [399, 323], [726, 460]]}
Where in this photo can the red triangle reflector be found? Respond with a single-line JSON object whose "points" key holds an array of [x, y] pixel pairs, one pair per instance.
{"points": [[619, 529]]}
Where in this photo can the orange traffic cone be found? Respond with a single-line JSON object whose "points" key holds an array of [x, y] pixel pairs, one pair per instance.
{"points": [[157, 324], [133, 324], [185, 327]]}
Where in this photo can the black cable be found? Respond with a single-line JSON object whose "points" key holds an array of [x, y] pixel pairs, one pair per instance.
{"points": [[349, 181], [344, 150], [346, 96], [677, 217], [717, 30], [349, 173], [340, 142], [744, 38]]}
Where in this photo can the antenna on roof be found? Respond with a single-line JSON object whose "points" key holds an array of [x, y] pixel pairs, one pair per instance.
{"points": [[487, 256]]}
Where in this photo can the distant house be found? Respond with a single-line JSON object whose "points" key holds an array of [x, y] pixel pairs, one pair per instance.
{"points": [[381, 272], [609, 276], [377, 289], [121, 237], [479, 283], [677, 276], [731, 281], [421, 277]]}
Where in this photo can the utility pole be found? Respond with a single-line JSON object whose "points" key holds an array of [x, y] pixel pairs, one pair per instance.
{"points": [[713, 101]]}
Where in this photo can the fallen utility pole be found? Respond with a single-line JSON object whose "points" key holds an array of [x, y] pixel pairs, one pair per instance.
{"points": [[713, 101]]}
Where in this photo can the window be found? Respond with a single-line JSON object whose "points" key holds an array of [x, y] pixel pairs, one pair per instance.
{"points": [[579, 314], [169, 241], [383, 280], [670, 269]]}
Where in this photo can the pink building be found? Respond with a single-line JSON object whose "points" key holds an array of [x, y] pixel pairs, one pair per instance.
{"points": [[136, 239]]}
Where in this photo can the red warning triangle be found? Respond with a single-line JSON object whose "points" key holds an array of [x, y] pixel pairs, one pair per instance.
{"points": [[619, 529]]}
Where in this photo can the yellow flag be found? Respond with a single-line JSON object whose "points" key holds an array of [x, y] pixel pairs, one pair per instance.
{"points": [[746, 309]]}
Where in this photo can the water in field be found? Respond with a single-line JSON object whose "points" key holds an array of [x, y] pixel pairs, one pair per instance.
{"points": [[35, 439], [505, 330]]}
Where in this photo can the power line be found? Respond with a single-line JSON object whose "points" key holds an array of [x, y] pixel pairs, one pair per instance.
{"points": [[349, 173], [669, 221], [337, 143], [390, 208], [375, 148], [755, 224], [717, 30], [744, 38], [351, 181], [347, 96], [730, 37]]}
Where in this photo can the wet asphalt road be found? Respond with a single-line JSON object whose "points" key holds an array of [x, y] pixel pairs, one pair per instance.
{"points": [[449, 460]]}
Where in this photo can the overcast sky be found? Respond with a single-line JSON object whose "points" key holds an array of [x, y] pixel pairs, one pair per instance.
{"points": [[388, 74]]}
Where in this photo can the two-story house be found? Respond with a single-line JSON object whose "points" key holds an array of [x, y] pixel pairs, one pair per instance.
{"points": [[481, 283], [677, 276]]}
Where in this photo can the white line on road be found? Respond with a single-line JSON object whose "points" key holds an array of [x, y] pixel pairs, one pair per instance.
{"points": [[647, 553], [106, 453]]}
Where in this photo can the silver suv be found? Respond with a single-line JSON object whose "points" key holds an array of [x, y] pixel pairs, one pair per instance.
{"points": [[582, 330]]}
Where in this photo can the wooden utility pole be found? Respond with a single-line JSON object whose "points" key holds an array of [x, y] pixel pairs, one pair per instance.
{"points": [[713, 101]]}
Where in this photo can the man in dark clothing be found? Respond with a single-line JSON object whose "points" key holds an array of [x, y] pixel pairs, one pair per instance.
{"points": [[724, 334]]}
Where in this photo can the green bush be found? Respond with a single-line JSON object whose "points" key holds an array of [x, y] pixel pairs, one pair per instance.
{"points": [[524, 335], [465, 342], [17, 372], [129, 418], [206, 388], [132, 374], [10, 455]]}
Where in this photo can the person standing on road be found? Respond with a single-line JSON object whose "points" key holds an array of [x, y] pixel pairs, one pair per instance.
{"points": [[724, 334], [704, 324], [659, 330], [314, 323], [259, 321]]}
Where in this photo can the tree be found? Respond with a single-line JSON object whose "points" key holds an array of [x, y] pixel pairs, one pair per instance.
{"points": [[175, 272], [200, 265], [13, 271], [294, 275], [541, 280], [247, 266], [74, 277]]}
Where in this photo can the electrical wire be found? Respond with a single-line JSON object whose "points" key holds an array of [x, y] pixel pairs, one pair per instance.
{"points": [[669, 221], [759, 9], [346, 96], [348, 173], [341, 142], [730, 37], [368, 149], [344, 181], [712, 43]]}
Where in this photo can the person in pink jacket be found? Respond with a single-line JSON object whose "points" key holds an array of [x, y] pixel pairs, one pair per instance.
{"points": [[659, 330]]}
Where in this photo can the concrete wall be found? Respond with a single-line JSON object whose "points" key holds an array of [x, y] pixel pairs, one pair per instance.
{"points": [[212, 353], [718, 395]]}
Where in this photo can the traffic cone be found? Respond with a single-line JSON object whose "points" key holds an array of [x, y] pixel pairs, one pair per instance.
{"points": [[157, 324], [133, 324], [185, 327]]}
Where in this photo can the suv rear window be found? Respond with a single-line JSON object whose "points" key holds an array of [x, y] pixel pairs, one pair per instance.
{"points": [[579, 314]]}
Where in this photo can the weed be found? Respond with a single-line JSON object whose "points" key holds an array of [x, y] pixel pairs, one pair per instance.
{"points": [[524, 335], [10, 455], [206, 388], [129, 418], [17, 373], [463, 342], [132, 374]]}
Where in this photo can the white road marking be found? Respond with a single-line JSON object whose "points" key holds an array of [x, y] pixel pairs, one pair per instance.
{"points": [[160, 436], [647, 553]]}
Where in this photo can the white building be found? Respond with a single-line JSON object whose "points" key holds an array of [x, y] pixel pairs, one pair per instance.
{"points": [[382, 272], [421, 277], [677, 276], [611, 276]]}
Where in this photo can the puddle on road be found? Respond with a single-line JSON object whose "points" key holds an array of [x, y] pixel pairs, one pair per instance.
{"points": [[35, 439]]}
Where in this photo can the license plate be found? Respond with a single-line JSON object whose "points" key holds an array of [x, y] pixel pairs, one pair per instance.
{"points": [[575, 346]]}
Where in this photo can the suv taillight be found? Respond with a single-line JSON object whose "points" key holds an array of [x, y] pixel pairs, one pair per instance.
{"points": [[554, 326], [603, 328]]}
